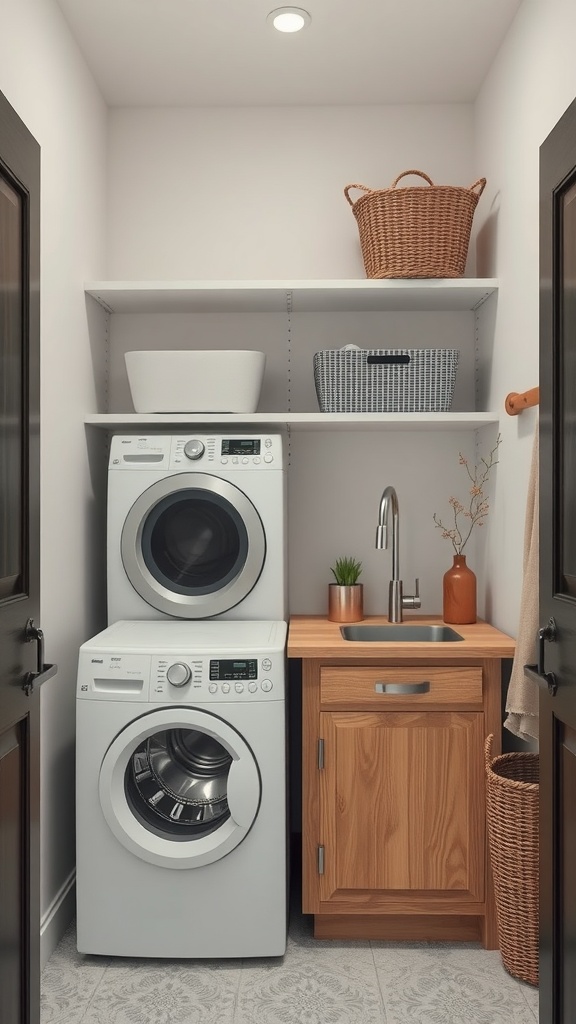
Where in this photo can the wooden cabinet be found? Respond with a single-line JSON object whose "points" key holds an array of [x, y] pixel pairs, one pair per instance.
{"points": [[394, 824]]}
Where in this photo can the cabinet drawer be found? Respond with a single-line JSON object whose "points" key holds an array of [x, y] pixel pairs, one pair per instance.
{"points": [[387, 686]]}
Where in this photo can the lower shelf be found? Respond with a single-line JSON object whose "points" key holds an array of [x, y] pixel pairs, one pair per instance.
{"points": [[411, 421]]}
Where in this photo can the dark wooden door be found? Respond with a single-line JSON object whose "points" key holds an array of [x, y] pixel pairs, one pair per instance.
{"points": [[19, 570], [558, 573]]}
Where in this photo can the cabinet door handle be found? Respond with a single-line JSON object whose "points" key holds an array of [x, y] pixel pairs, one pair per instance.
{"points": [[423, 687]]}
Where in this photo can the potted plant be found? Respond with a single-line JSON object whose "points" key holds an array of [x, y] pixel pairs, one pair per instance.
{"points": [[346, 595]]}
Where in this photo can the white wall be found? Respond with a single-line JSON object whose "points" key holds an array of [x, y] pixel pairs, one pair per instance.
{"points": [[531, 83], [44, 78], [258, 193]]}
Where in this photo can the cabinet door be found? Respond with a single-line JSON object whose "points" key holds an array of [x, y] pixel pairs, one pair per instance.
{"points": [[402, 811]]}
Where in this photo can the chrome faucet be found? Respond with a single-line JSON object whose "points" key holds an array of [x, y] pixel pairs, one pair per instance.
{"points": [[396, 599]]}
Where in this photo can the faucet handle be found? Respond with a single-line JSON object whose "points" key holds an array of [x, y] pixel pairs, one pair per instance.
{"points": [[412, 600]]}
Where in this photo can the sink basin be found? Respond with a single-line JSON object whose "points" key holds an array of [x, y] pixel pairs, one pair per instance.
{"points": [[400, 634]]}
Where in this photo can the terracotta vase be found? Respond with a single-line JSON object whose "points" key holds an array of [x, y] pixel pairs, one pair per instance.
{"points": [[459, 592], [345, 604]]}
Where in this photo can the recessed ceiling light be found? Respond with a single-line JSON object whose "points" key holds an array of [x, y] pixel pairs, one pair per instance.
{"points": [[289, 19]]}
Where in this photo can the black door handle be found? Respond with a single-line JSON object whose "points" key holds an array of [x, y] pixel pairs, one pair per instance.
{"points": [[33, 634], [546, 680]]}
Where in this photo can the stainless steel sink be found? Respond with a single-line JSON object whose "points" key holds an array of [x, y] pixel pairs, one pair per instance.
{"points": [[400, 634]]}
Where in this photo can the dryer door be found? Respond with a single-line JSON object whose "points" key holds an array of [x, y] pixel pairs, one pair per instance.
{"points": [[179, 787], [193, 545]]}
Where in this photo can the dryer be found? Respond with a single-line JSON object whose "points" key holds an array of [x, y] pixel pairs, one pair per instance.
{"points": [[181, 790], [196, 527]]}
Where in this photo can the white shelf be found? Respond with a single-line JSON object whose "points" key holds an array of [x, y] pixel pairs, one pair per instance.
{"points": [[361, 295], [412, 421]]}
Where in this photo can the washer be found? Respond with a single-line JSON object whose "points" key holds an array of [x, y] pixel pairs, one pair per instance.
{"points": [[181, 790], [196, 527]]}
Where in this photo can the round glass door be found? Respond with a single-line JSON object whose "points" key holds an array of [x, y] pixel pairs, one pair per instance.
{"points": [[179, 787], [176, 783], [193, 545]]}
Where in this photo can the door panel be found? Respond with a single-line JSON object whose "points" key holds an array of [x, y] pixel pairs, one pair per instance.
{"points": [[401, 816], [558, 572], [12, 843], [19, 570]]}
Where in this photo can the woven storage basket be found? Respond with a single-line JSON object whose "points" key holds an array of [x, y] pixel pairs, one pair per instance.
{"points": [[385, 380], [415, 231], [512, 796]]}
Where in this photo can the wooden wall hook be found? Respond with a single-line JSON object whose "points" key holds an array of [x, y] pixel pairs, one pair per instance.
{"points": [[516, 402]]}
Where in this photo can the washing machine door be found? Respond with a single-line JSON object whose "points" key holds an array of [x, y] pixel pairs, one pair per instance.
{"points": [[179, 787], [193, 545]]}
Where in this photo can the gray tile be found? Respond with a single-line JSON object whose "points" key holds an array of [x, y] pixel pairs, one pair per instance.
{"points": [[439, 983], [171, 992], [327, 986], [532, 996], [316, 982], [69, 980]]}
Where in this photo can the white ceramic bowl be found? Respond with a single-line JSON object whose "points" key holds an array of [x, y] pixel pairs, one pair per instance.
{"points": [[219, 380]]}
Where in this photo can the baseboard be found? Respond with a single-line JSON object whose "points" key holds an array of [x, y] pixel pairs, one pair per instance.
{"points": [[57, 917]]}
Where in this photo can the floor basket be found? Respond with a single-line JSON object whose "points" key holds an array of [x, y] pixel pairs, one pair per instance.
{"points": [[512, 795], [415, 231]]}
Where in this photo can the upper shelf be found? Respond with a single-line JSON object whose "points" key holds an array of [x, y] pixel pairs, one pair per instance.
{"points": [[361, 295]]}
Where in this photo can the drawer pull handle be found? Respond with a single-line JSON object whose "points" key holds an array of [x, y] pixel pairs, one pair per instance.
{"points": [[423, 687]]}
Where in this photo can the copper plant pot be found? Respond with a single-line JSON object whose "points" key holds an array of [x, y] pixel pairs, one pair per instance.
{"points": [[345, 604]]}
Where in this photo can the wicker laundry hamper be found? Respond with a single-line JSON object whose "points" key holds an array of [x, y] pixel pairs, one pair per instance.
{"points": [[415, 231], [512, 797]]}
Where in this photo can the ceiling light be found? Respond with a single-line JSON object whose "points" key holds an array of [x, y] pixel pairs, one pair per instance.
{"points": [[289, 19]]}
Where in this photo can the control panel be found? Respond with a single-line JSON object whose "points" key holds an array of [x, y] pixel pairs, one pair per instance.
{"points": [[235, 452], [181, 678], [179, 452]]}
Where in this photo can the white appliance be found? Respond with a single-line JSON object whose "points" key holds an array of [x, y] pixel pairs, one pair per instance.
{"points": [[196, 527], [181, 790]]}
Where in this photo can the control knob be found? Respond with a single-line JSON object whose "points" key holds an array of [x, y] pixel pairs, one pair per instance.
{"points": [[194, 450], [178, 674]]}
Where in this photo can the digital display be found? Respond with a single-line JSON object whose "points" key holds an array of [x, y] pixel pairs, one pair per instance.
{"points": [[240, 446], [220, 670]]}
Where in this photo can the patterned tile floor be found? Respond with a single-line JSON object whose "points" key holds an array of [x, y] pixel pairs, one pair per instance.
{"points": [[316, 982]]}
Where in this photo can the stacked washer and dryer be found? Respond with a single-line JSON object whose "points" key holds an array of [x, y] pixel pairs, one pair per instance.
{"points": [[181, 722]]}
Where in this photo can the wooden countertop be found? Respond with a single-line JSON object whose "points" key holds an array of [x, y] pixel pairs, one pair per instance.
{"points": [[313, 636]]}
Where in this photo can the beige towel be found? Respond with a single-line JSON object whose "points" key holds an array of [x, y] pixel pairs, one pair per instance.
{"points": [[522, 699]]}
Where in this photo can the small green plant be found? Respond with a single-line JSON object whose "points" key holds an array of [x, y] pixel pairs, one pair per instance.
{"points": [[346, 571]]}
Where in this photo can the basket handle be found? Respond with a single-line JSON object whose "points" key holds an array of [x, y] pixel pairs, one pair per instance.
{"points": [[404, 173], [399, 360], [481, 182], [348, 187], [488, 751]]}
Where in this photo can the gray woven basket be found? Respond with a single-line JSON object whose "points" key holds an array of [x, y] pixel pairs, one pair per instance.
{"points": [[385, 380]]}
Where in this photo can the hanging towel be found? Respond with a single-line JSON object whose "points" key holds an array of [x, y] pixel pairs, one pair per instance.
{"points": [[522, 699]]}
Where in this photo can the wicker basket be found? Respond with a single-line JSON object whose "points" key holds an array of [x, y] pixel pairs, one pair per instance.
{"points": [[512, 793], [415, 231], [385, 380]]}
